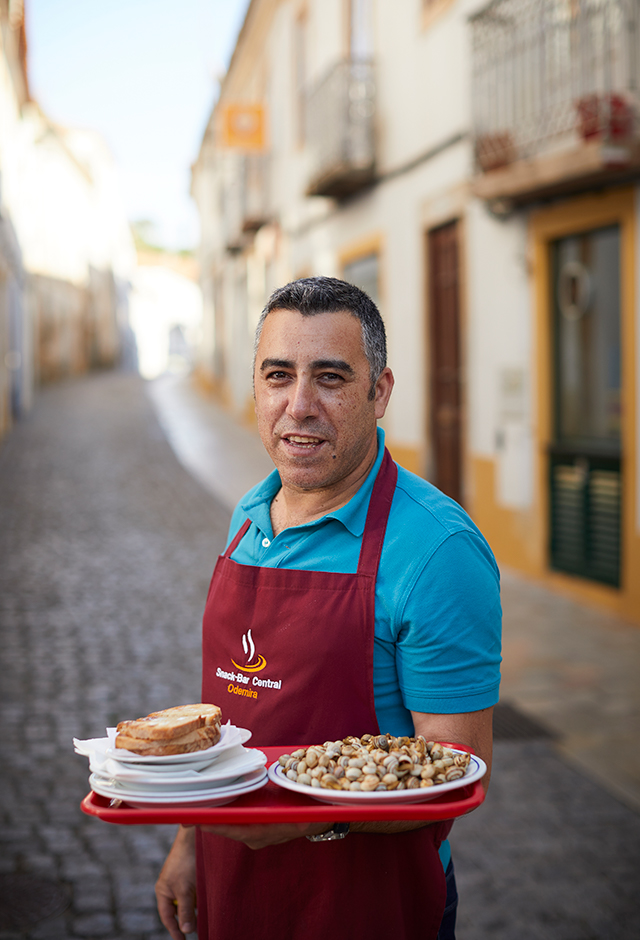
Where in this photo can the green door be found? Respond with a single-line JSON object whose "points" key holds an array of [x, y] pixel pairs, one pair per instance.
{"points": [[585, 456]]}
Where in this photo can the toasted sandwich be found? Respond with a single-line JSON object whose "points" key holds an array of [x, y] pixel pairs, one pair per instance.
{"points": [[177, 730]]}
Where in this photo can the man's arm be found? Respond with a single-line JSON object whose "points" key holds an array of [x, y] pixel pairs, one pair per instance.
{"points": [[473, 730], [177, 883]]}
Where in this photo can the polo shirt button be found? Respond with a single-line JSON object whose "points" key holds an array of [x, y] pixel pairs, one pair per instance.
{"points": [[266, 543]]}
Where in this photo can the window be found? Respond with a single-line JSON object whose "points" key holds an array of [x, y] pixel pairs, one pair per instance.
{"points": [[364, 273]]}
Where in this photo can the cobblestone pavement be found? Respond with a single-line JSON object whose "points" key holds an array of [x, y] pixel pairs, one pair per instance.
{"points": [[106, 548]]}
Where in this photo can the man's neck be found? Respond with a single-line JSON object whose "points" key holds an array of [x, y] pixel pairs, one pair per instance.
{"points": [[292, 506]]}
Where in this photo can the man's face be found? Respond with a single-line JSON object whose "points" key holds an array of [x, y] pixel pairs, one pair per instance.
{"points": [[316, 418]]}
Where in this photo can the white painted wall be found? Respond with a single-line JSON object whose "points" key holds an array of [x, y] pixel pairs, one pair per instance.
{"points": [[161, 300], [500, 346], [423, 100]]}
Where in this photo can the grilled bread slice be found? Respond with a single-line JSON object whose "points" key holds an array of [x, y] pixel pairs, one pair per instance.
{"points": [[172, 722], [196, 740], [177, 730], [211, 713]]}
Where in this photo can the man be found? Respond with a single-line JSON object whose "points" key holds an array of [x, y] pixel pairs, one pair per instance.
{"points": [[374, 602]]}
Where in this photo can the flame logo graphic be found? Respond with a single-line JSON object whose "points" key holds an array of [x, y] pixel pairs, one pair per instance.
{"points": [[249, 648]]}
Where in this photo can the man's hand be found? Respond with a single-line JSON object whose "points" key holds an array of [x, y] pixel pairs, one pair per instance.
{"points": [[260, 836], [177, 883]]}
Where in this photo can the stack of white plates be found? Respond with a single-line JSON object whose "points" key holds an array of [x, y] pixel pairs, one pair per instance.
{"points": [[211, 777]]}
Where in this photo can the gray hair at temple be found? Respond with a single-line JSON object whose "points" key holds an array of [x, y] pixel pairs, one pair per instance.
{"points": [[312, 295]]}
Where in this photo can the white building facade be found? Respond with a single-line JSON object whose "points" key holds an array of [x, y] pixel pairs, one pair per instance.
{"points": [[474, 167], [66, 250]]}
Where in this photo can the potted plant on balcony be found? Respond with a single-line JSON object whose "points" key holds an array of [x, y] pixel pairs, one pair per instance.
{"points": [[494, 151], [607, 116]]}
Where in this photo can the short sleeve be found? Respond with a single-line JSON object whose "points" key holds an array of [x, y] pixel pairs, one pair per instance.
{"points": [[449, 631]]}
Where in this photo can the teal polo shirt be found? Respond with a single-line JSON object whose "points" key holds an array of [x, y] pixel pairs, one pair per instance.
{"points": [[438, 615], [437, 635]]}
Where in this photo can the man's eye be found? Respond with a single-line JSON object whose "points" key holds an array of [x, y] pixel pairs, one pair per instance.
{"points": [[277, 376], [331, 377]]}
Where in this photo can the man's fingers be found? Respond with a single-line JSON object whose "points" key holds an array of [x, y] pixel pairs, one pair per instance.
{"points": [[186, 915], [168, 915]]}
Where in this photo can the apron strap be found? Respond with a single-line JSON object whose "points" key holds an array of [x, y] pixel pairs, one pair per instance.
{"points": [[377, 516], [375, 526], [239, 535]]}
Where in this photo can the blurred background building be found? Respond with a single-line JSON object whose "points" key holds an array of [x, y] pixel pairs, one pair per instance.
{"points": [[474, 166], [67, 254], [165, 307]]}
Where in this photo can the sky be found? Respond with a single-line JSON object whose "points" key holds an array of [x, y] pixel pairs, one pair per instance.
{"points": [[145, 74]]}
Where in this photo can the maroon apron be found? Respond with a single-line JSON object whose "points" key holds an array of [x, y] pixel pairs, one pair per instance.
{"points": [[289, 655]]}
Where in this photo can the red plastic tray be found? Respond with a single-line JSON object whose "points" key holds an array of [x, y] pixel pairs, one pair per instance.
{"points": [[274, 804]]}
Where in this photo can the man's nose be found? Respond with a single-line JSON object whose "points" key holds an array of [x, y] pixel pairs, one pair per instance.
{"points": [[302, 400]]}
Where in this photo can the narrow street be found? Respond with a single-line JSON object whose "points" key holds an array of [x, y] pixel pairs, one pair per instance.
{"points": [[107, 547], [107, 543]]}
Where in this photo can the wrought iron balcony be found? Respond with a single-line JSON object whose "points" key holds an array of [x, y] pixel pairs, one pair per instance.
{"points": [[340, 130], [256, 209], [244, 198], [231, 197], [555, 93]]}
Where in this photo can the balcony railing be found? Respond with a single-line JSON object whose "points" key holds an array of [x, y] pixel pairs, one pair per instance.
{"points": [[245, 199], [340, 130], [552, 75], [255, 191], [231, 194]]}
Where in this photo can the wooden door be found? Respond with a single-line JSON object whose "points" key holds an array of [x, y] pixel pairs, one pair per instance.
{"points": [[445, 373]]}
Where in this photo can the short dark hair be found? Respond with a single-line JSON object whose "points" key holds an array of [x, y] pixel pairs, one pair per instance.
{"points": [[311, 295]]}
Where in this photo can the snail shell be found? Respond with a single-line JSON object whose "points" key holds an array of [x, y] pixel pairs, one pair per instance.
{"points": [[357, 762], [312, 757], [453, 773]]}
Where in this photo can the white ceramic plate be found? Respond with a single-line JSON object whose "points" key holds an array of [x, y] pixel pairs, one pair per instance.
{"points": [[216, 796], [193, 759], [475, 771], [138, 779]]}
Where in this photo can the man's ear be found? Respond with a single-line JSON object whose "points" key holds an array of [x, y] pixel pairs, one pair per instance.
{"points": [[384, 387]]}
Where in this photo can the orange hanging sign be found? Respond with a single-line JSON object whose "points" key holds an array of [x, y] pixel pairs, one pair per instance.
{"points": [[243, 126]]}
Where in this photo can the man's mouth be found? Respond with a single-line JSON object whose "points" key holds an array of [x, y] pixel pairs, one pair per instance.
{"points": [[302, 441]]}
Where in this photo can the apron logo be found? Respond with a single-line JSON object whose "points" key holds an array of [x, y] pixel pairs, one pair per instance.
{"points": [[250, 651], [253, 664]]}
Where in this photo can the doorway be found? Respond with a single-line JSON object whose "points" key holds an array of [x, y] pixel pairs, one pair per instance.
{"points": [[585, 451], [445, 365]]}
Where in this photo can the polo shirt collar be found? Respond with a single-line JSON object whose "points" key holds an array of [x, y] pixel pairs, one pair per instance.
{"points": [[353, 515]]}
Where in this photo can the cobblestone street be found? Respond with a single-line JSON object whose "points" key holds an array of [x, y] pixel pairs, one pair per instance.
{"points": [[106, 549]]}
